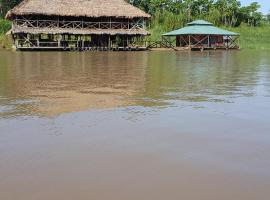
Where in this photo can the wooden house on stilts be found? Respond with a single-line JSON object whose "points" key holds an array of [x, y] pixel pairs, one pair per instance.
{"points": [[78, 25], [200, 34]]}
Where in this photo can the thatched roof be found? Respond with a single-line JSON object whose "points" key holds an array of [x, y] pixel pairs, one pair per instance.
{"points": [[80, 31], [78, 8]]}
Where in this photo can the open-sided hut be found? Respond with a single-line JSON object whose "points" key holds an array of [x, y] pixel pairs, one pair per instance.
{"points": [[201, 34], [77, 24]]}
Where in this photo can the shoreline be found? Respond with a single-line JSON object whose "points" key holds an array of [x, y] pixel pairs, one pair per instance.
{"points": [[250, 38]]}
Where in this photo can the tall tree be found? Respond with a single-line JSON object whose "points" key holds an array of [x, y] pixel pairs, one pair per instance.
{"points": [[5, 5]]}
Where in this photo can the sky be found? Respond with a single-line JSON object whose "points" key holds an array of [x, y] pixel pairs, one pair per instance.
{"points": [[264, 3]]}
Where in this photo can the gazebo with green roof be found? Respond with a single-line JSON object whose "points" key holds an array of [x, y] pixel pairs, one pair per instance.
{"points": [[201, 34]]}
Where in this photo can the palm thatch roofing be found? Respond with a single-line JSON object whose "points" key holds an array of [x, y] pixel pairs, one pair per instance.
{"points": [[77, 8]]}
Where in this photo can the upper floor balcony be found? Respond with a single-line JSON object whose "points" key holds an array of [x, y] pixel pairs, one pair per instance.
{"points": [[94, 25]]}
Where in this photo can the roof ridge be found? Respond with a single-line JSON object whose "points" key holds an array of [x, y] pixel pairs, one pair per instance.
{"points": [[200, 22]]}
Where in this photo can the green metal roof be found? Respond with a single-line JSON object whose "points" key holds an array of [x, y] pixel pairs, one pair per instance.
{"points": [[201, 27], [200, 22]]}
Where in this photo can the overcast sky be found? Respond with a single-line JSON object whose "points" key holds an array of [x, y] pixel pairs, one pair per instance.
{"points": [[264, 3]]}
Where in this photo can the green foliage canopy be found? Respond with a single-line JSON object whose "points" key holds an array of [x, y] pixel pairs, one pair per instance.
{"points": [[220, 12]]}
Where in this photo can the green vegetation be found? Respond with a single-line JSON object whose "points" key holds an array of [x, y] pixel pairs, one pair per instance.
{"points": [[5, 41], [168, 15], [254, 38], [5, 26], [219, 12], [6, 5], [251, 37]]}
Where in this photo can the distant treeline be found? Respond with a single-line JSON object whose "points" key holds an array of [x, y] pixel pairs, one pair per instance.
{"points": [[6, 5], [172, 12], [176, 13]]}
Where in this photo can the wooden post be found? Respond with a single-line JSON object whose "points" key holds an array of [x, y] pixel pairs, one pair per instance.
{"points": [[38, 40], [109, 42], [16, 40], [77, 43], [83, 42], [208, 41], [110, 22], [59, 41], [189, 44], [127, 41], [227, 46]]}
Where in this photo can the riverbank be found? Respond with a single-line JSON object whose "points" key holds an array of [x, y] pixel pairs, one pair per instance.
{"points": [[251, 37], [5, 40], [254, 37]]}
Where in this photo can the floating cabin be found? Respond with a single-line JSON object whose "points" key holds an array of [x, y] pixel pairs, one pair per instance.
{"points": [[78, 25], [200, 35]]}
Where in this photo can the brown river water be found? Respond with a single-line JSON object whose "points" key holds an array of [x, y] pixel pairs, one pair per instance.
{"points": [[135, 125]]}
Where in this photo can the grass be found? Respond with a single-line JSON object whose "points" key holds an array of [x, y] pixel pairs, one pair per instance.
{"points": [[251, 37], [254, 37], [5, 26], [5, 41]]}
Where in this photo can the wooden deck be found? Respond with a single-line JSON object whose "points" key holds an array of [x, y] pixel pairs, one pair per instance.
{"points": [[82, 49], [169, 45]]}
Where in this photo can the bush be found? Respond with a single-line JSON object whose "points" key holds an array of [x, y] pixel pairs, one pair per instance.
{"points": [[5, 26]]}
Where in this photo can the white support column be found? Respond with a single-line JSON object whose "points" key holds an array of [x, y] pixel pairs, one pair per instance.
{"points": [[59, 40], [38, 41], [83, 43]]}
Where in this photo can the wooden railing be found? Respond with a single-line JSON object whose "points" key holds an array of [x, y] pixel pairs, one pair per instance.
{"points": [[140, 24], [164, 43]]}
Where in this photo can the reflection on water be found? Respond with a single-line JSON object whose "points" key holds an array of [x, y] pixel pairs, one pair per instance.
{"points": [[53, 83], [135, 125]]}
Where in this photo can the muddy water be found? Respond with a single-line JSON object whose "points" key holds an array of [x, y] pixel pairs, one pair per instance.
{"points": [[143, 125]]}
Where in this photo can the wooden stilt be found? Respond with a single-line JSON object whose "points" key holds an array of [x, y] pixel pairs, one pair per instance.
{"points": [[83, 47], [38, 44], [59, 41], [189, 44], [109, 42]]}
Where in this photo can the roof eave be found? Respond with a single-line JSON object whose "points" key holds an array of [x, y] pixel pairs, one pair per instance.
{"points": [[11, 14], [173, 34]]}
